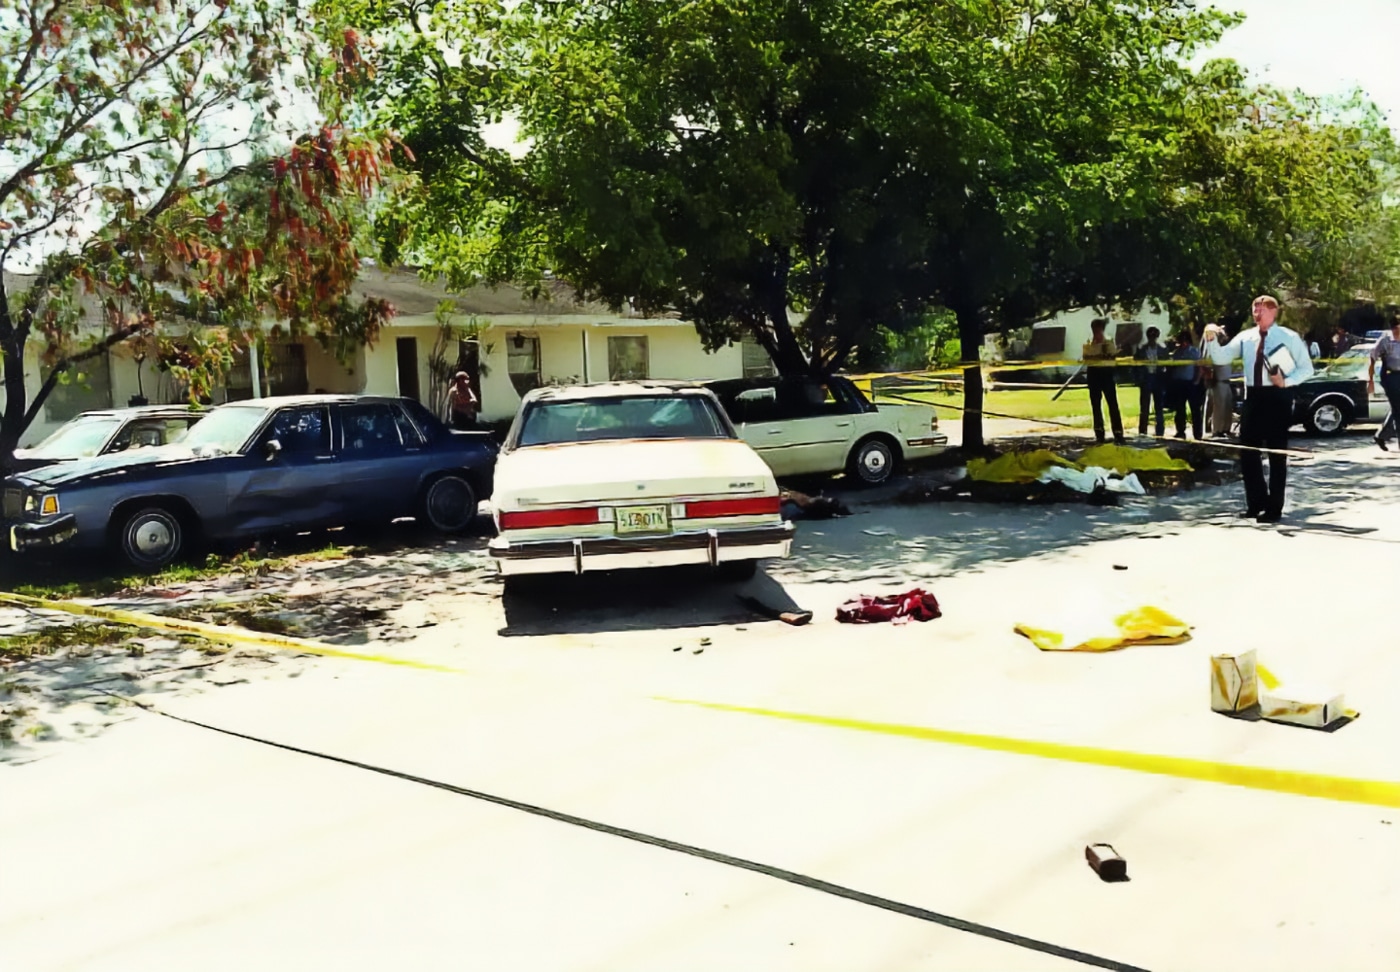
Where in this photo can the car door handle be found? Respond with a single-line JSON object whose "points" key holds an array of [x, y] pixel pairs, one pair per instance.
{"points": [[843, 425], [775, 431]]}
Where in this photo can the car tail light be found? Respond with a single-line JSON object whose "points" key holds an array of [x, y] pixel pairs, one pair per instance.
{"points": [[534, 519], [758, 506]]}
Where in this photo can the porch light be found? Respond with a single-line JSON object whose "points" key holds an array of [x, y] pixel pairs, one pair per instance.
{"points": [[519, 340]]}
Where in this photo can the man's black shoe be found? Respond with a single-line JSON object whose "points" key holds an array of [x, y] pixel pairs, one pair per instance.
{"points": [[1381, 442], [1269, 517], [1249, 514]]}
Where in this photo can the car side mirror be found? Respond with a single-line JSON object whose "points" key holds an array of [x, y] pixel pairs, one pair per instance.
{"points": [[273, 448]]}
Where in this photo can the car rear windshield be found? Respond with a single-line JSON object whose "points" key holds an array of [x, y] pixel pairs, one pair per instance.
{"points": [[81, 438], [224, 430], [632, 417]]}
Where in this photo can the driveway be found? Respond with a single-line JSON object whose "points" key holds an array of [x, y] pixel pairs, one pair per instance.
{"points": [[874, 797]]}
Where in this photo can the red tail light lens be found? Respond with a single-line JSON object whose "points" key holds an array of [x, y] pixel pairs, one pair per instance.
{"points": [[534, 519], [760, 506]]}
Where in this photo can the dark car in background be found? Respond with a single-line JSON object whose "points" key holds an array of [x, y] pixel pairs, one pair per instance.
{"points": [[254, 468], [1336, 397], [110, 430]]}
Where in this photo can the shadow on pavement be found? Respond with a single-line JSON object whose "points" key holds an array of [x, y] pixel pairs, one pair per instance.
{"points": [[673, 597]]}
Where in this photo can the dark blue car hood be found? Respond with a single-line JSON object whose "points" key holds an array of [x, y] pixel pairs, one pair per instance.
{"points": [[114, 463]]}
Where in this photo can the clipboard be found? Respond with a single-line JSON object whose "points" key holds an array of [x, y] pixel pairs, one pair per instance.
{"points": [[1280, 361]]}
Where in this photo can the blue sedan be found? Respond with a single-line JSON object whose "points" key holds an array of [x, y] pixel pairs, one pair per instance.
{"points": [[253, 468]]}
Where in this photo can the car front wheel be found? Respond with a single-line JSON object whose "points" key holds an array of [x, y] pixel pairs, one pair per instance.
{"points": [[1325, 418], [448, 504], [871, 462], [151, 538]]}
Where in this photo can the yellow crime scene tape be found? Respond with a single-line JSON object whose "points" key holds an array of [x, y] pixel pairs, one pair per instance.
{"points": [[215, 632], [1338, 788], [1342, 789]]}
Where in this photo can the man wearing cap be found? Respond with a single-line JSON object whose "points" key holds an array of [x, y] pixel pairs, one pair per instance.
{"points": [[1275, 360]]}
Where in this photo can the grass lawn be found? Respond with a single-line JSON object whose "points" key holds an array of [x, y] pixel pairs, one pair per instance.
{"points": [[1071, 407]]}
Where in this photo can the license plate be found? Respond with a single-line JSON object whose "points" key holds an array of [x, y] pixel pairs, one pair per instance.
{"points": [[643, 519]]}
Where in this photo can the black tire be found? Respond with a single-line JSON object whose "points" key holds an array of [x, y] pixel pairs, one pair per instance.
{"points": [[150, 538], [872, 462], [1326, 417], [738, 570], [448, 503]]}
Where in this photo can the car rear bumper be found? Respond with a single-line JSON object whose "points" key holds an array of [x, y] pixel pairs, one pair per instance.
{"points": [[49, 533], [713, 547], [923, 446]]}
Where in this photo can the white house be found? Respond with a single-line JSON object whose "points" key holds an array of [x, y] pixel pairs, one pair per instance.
{"points": [[1062, 337], [521, 343]]}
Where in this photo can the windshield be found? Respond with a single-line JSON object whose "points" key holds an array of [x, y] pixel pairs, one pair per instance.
{"points": [[81, 438], [224, 430], [635, 417], [1352, 364]]}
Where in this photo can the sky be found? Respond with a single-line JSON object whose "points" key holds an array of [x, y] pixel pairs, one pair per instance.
{"points": [[1322, 46]]}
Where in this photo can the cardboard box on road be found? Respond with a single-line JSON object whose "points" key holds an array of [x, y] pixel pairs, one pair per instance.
{"points": [[1234, 682]]}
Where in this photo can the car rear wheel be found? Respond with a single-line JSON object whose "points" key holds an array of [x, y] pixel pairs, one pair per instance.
{"points": [[1325, 418], [448, 504], [151, 538], [871, 462]]}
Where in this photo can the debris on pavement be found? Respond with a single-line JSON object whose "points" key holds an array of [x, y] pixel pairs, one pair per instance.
{"points": [[1142, 626], [795, 618], [1303, 705], [1234, 682], [1106, 862], [917, 604]]}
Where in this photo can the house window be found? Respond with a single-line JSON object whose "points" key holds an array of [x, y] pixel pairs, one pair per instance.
{"points": [[283, 372], [1127, 336], [1048, 340], [89, 387], [757, 364], [523, 362], [627, 359]]}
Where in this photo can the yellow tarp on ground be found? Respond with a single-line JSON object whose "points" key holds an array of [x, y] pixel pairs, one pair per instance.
{"points": [[1125, 459], [1015, 467], [1143, 626]]}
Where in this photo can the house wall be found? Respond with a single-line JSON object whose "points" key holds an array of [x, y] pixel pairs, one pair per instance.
{"points": [[325, 372], [1077, 327], [674, 352]]}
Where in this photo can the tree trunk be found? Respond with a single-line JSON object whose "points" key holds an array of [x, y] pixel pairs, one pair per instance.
{"points": [[970, 336]]}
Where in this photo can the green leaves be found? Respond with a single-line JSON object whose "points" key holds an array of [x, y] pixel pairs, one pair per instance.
{"points": [[147, 164]]}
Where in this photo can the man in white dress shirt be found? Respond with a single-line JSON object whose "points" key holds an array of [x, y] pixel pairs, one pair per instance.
{"points": [[1275, 360]]}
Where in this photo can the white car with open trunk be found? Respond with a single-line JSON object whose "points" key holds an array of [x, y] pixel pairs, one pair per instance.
{"points": [[631, 474]]}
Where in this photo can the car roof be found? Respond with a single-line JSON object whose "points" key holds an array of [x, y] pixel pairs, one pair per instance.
{"points": [[280, 401], [614, 389], [143, 411]]}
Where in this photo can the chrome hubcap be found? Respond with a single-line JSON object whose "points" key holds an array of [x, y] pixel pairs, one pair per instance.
{"points": [[448, 501], [152, 538], [875, 462], [1328, 418]]}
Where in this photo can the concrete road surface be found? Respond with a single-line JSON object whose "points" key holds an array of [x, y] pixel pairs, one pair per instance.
{"points": [[869, 838]]}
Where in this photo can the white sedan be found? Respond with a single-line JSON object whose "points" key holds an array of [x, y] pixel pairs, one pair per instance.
{"points": [[801, 426], [645, 474]]}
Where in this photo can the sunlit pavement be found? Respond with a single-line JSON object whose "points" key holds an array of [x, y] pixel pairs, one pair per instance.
{"points": [[164, 846]]}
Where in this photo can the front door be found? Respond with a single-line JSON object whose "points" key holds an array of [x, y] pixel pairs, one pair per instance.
{"points": [[292, 486], [407, 349]]}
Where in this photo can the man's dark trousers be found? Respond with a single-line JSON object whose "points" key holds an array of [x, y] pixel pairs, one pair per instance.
{"points": [[1153, 395], [1102, 385], [1268, 412], [1184, 395]]}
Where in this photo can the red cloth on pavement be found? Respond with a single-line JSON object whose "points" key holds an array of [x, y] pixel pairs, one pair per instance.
{"points": [[899, 608]]}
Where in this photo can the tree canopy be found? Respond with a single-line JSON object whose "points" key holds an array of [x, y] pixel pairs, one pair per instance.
{"points": [[153, 165], [808, 172]]}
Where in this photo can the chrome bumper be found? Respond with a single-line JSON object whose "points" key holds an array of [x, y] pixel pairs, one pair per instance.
{"points": [[49, 533], [713, 547]]}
